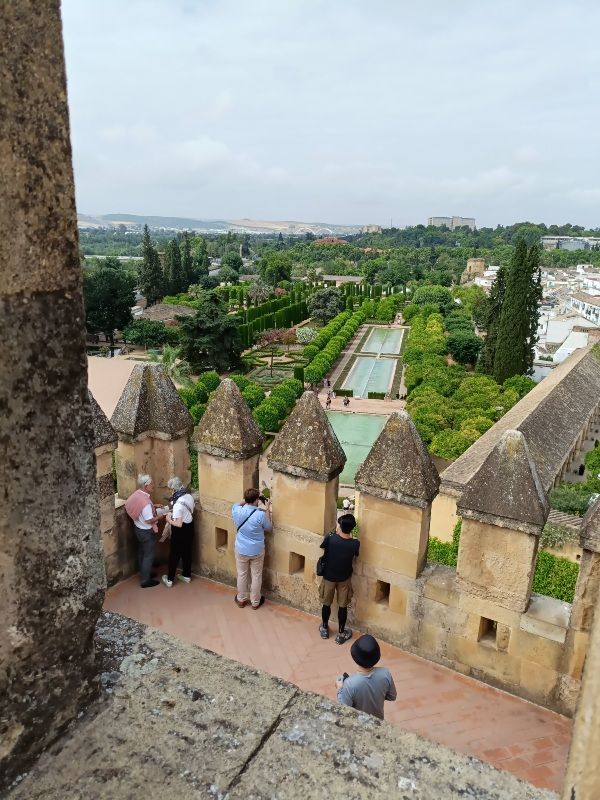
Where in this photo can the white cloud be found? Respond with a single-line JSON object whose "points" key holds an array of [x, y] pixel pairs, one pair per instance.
{"points": [[334, 109]]}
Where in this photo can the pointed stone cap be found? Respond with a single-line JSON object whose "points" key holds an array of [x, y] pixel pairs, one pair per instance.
{"points": [[398, 466], [104, 433], [227, 428], [506, 489], [589, 535], [150, 406], [307, 446]]}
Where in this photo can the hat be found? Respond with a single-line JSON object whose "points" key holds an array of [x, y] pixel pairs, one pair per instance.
{"points": [[365, 651]]}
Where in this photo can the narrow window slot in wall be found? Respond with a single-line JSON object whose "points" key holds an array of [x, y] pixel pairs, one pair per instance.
{"points": [[221, 538], [382, 593], [487, 631], [296, 564]]}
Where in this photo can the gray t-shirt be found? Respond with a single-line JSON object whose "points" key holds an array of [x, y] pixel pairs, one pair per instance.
{"points": [[366, 691]]}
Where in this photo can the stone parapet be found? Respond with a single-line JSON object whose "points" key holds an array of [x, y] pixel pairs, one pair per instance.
{"points": [[176, 719]]}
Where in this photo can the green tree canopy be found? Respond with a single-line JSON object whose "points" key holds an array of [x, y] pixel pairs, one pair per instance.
{"points": [[210, 339], [275, 267], [109, 297], [147, 332], [464, 347], [325, 304], [432, 294], [232, 260]]}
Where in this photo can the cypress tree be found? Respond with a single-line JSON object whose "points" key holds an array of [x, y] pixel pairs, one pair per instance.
{"points": [[534, 301], [186, 260], [150, 276], [175, 279], [514, 329], [493, 309]]}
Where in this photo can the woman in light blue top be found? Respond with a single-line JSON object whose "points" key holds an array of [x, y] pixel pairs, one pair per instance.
{"points": [[251, 522]]}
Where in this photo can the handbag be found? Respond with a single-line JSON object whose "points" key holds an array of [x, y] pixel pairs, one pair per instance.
{"points": [[322, 561]]}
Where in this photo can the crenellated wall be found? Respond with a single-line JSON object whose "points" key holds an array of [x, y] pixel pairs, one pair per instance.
{"points": [[480, 619]]}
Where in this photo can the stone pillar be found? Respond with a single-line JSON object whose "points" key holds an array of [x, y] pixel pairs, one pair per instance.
{"points": [[229, 443], [51, 570], [582, 781], [306, 459], [587, 594], [504, 509], [105, 443], [396, 486], [153, 426]]}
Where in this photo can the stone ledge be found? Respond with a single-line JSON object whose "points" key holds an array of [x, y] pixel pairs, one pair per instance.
{"points": [[175, 719]]}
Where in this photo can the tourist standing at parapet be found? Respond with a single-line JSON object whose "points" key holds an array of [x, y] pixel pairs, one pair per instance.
{"points": [[368, 688], [340, 550], [143, 512], [251, 522], [182, 533]]}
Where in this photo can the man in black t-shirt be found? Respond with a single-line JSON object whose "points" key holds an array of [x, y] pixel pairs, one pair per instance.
{"points": [[340, 551]]}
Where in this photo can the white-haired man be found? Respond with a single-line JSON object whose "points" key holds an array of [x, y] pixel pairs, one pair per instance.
{"points": [[141, 509]]}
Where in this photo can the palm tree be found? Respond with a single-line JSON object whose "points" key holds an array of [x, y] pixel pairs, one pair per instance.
{"points": [[258, 292], [176, 368]]}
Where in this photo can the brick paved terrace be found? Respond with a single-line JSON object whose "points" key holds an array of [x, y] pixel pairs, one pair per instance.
{"points": [[437, 703]]}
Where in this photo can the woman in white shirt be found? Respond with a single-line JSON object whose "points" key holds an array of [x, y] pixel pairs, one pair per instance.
{"points": [[182, 533]]}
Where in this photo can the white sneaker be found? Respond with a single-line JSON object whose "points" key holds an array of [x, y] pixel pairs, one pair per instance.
{"points": [[166, 581], [184, 579]]}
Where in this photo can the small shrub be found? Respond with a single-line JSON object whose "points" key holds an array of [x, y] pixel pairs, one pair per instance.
{"points": [[199, 393], [197, 412], [253, 394], [266, 417], [376, 395], [187, 395], [240, 381], [211, 380]]}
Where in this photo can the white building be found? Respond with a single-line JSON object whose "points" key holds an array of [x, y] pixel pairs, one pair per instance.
{"points": [[488, 277], [587, 305]]}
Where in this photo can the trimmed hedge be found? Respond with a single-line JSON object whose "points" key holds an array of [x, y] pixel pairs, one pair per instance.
{"points": [[210, 379], [376, 395], [344, 392]]}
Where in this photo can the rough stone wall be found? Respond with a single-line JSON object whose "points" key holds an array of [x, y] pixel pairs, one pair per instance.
{"points": [[51, 571], [175, 720]]}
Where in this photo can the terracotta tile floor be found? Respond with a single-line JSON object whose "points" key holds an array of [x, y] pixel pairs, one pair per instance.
{"points": [[433, 701]]}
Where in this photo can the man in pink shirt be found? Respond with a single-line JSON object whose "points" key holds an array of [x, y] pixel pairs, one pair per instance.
{"points": [[141, 509]]}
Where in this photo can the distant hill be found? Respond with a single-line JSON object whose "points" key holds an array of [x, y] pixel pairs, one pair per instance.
{"points": [[135, 221]]}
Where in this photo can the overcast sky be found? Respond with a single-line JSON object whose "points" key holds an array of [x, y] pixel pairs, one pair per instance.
{"points": [[346, 111]]}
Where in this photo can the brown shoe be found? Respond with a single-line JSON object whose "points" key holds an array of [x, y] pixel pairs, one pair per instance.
{"points": [[240, 603]]}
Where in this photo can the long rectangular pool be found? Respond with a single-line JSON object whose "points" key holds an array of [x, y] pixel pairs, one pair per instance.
{"points": [[369, 374], [356, 433], [383, 340]]}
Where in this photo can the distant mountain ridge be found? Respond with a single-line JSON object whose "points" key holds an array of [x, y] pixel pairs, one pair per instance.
{"points": [[135, 221]]}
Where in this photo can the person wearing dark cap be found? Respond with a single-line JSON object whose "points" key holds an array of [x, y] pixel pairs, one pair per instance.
{"points": [[371, 686]]}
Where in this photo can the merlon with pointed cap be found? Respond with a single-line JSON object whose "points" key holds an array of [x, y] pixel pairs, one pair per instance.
{"points": [[150, 405], [506, 489], [398, 466], [307, 446], [228, 428], [104, 433]]}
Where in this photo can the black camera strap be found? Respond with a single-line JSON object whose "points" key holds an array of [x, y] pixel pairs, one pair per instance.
{"points": [[241, 525]]}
